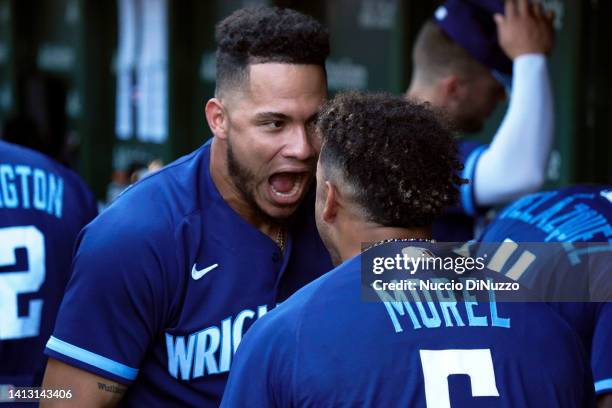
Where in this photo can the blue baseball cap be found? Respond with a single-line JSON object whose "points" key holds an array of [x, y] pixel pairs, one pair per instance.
{"points": [[470, 24]]}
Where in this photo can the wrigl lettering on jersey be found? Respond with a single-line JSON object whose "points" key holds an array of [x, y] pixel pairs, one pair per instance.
{"points": [[208, 351]]}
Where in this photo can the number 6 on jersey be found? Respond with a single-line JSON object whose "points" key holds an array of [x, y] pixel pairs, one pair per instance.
{"points": [[439, 364]]}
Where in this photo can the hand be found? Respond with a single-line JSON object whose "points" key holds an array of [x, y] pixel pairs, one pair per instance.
{"points": [[525, 29]]}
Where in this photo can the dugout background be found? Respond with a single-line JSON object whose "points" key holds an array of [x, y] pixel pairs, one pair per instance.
{"points": [[59, 64]]}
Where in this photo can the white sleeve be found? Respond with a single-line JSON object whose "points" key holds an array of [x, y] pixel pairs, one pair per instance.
{"points": [[516, 160]]}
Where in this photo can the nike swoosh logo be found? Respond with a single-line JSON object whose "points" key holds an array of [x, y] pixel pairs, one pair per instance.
{"points": [[198, 273]]}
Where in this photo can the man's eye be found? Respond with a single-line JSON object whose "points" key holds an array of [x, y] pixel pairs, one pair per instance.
{"points": [[274, 125]]}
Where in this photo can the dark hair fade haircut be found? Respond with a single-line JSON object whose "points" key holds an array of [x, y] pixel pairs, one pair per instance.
{"points": [[397, 157], [267, 34]]}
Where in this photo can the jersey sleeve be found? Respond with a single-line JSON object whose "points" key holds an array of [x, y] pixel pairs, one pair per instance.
{"points": [[601, 355], [118, 297], [524, 136], [469, 154], [263, 368]]}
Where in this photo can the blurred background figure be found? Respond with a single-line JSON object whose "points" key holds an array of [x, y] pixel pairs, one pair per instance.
{"points": [[463, 59], [123, 179], [43, 206]]}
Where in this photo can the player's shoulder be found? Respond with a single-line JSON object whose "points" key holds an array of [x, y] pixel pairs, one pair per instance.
{"points": [[19, 155], [583, 189], [601, 194], [151, 219], [16, 152], [547, 319], [280, 327], [164, 197], [176, 184], [315, 296], [526, 317]]}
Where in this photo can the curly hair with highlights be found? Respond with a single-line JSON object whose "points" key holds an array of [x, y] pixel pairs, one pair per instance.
{"points": [[267, 34], [396, 158]]}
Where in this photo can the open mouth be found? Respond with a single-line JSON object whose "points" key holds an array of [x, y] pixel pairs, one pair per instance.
{"points": [[287, 187]]}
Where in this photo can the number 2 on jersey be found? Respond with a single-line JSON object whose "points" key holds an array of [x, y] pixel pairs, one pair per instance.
{"points": [[19, 280]]}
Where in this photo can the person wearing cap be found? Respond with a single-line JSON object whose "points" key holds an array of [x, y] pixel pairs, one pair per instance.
{"points": [[465, 59]]}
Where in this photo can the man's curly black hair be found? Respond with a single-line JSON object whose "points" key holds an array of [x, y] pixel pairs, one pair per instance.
{"points": [[267, 34], [395, 157]]}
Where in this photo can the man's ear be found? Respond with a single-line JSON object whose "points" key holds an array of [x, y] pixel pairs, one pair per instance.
{"points": [[450, 87], [330, 209], [216, 116]]}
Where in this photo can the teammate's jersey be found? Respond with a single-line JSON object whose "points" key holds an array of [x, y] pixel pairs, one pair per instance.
{"points": [[43, 206], [459, 223], [571, 214], [577, 215], [166, 281], [325, 346]]}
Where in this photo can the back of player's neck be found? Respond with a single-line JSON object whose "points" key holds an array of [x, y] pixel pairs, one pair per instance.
{"points": [[376, 233], [366, 234]]}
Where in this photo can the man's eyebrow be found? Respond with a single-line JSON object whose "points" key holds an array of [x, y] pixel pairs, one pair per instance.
{"points": [[270, 116], [312, 118]]}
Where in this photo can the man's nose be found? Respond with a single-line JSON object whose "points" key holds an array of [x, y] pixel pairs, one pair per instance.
{"points": [[299, 144]]}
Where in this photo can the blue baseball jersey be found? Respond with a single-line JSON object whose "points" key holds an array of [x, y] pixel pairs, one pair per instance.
{"points": [[43, 206], [459, 223], [580, 213], [577, 214], [325, 346], [167, 280]]}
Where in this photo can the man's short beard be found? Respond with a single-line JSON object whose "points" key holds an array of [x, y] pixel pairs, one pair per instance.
{"points": [[243, 180]]}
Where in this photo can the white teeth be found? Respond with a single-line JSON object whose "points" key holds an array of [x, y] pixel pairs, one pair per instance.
{"points": [[295, 189]]}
